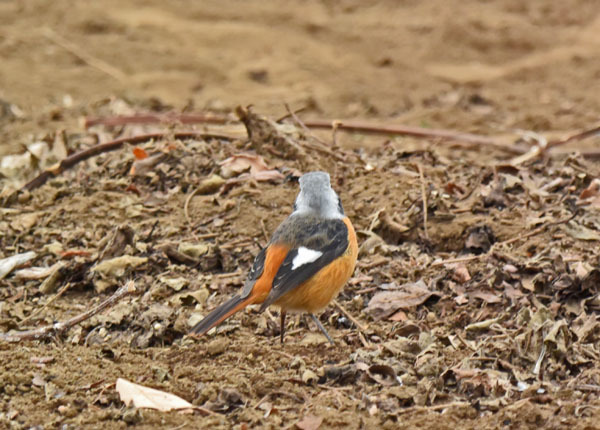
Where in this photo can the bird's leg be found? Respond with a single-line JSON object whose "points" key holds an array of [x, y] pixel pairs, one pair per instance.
{"points": [[282, 316], [318, 323]]}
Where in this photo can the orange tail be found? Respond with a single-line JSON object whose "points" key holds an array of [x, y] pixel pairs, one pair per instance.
{"points": [[221, 313]]}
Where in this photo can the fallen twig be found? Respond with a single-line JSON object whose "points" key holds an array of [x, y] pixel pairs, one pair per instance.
{"points": [[186, 212], [542, 146], [349, 316], [456, 260], [538, 149], [48, 303], [153, 118], [61, 327], [577, 137], [302, 125], [356, 126], [323, 148], [113, 145], [404, 130], [361, 330]]}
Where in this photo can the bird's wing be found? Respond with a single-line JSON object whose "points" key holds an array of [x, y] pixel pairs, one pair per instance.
{"points": [[315, 245], [257, 270]]}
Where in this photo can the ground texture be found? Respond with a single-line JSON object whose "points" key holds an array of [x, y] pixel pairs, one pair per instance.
{"points": [[479, 312]]}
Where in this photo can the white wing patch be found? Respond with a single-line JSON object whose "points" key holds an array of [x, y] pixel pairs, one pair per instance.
{"points": [[305, 256]]}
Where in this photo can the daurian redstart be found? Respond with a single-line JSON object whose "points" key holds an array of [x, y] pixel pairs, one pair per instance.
{"points": [[307, 262]]}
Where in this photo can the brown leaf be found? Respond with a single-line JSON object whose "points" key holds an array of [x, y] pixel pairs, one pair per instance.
{"points": [[8, 264], [36, 272], [461, 299], [592, 190], [527, 283], [578, 231], [512, 293], [145, 397], [144, 165], [461, 273], [309, 422], [486, 296], [240, 163], [385, 303], [267, 175], [399, 316]]}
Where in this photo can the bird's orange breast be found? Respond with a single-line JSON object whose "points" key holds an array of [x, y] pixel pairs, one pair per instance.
{"points": [[316, 293]]}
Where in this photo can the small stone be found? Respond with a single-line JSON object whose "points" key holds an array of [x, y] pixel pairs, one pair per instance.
{"points": [[67, 411], [210, 184], [217, 346]]}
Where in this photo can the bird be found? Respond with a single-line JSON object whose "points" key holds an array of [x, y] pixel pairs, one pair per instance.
{"points": [[310, 256]]}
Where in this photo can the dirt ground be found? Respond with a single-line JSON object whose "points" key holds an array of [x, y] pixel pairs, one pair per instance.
{"points": [[480, 312]]}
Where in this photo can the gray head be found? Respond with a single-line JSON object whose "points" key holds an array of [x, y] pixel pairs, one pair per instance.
{"points": [[317, 197]]}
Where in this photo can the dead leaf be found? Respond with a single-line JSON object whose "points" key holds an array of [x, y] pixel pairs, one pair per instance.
{"points": [[142, 166], [486, 296], [512, 293], [145, 397], [385, 303], [248, 166], [267, 175], [194, 250], [527, 283], [176, 284], [117, 266], [581, 269], [461, 299], [33, 273], [482, 325], [309, 422], [25, 222], [210, 184], [577, 231], [592, 190], [8, 264], [461, 273], [399, 316], [239, 163]]}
